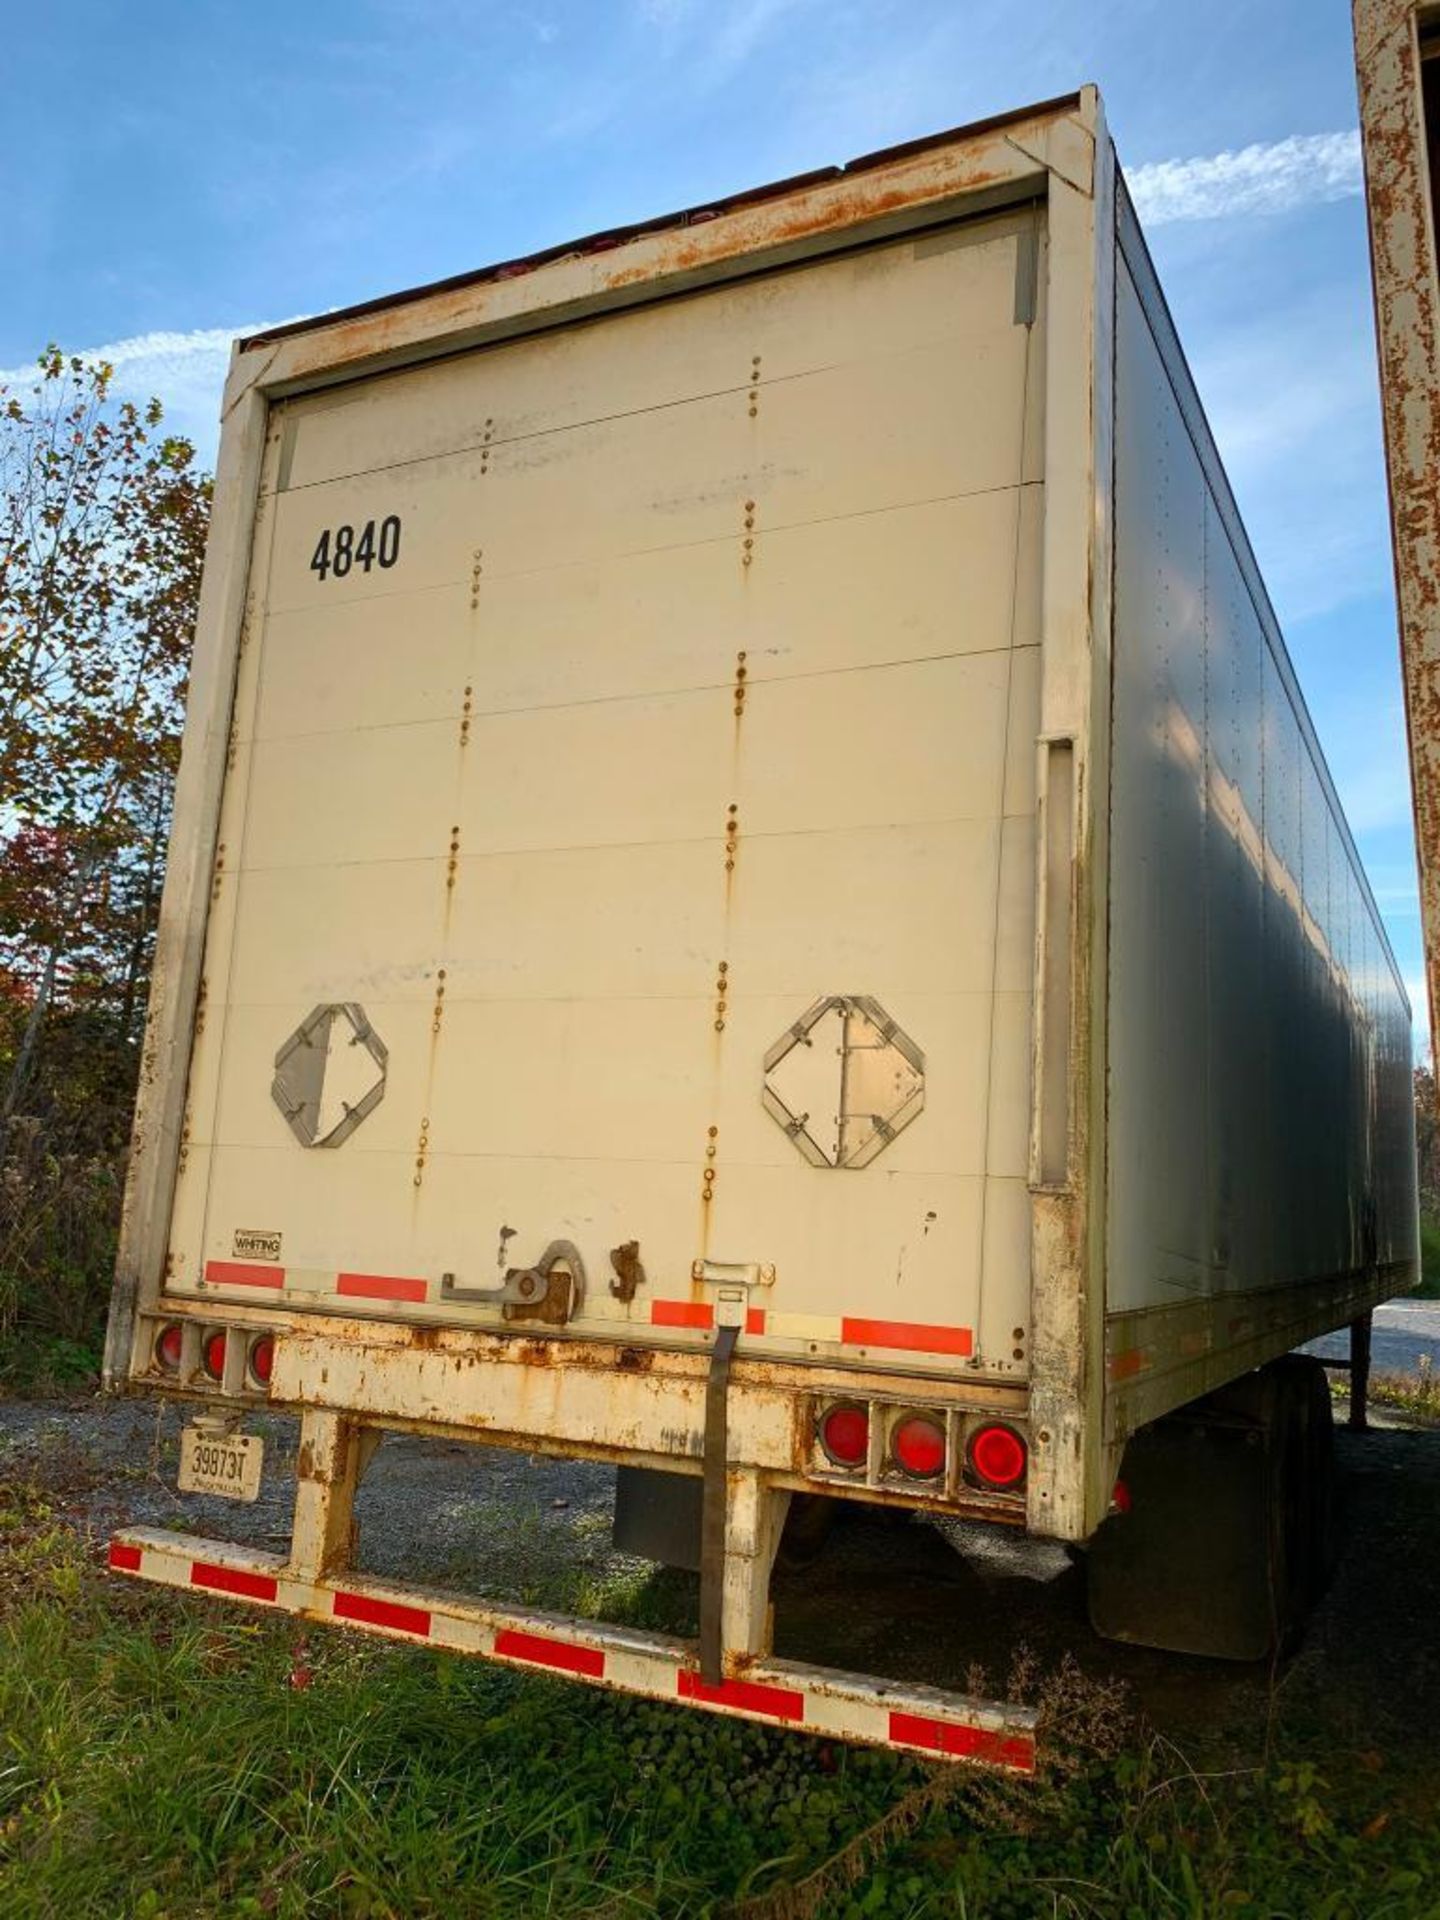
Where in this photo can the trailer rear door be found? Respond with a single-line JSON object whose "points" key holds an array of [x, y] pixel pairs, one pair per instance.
{"points": [[629, 830]]}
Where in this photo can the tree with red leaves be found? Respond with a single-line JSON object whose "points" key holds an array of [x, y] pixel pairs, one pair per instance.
{"points": [[102, 531]]}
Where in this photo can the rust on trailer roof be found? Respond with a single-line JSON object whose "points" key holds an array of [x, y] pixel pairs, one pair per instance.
{"points": [[612, 237], [1389, 53]]}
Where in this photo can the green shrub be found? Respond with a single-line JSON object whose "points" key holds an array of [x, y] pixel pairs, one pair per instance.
{"points": [[59, 1218], [1429, 1287]]}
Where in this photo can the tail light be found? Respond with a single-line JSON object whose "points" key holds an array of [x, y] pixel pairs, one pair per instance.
{"points": [[845, 1435], [212, 1354], [262, 1358], [168, 1347], [996, 1456], [918, 1446]]}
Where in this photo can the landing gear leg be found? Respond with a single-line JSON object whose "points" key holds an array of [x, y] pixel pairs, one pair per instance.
{"points": [[1359, 1373]]}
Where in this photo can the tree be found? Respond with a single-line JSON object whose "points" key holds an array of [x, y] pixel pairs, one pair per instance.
{"points": [[102, 530], [1427, 1140]]}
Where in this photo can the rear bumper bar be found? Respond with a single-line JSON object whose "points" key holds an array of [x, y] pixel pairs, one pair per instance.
{"points": [[840, 1706]]}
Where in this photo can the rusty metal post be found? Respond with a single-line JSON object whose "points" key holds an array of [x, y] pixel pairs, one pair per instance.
{"points": [[1388, 63], [1359, 1373], [754, 1521], [327, 1473]]}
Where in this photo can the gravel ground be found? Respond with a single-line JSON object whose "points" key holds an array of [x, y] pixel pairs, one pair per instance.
{"points": [[1405, 1335], [887, 1595], [485, 1519]]}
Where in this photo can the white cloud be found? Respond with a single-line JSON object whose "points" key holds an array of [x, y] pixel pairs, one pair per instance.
{"points": [[1300, 437], [1373, 780], [1264, 178], [744, 27], [184, 371], [1395, 887], [153, 355], [716, 42]]}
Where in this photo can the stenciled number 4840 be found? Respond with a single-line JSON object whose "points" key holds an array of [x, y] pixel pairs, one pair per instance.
{"points": [[341, 548]]}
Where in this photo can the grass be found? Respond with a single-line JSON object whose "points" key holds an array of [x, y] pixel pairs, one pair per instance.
{"points": [[39, 1365], [170, 1757], [1429, 1287], [1417, 1393]]}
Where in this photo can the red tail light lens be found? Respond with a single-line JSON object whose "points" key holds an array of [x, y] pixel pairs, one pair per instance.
{"points": [[168, 1348], [212, 1354], [918, 1444], [262, 1358], [845, 1435], [997, 1456]]}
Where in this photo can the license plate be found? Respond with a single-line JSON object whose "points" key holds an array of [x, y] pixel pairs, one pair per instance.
{"points": [[227, 1464]]}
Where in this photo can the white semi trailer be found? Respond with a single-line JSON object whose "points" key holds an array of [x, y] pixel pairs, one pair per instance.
{"points": [[753, 896]]}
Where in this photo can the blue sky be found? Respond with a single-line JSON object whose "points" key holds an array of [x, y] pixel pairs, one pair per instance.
{"points": [[203, 168]]}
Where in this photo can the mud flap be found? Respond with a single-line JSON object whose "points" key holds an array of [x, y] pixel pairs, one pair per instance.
{"points": [[657, 1516]]}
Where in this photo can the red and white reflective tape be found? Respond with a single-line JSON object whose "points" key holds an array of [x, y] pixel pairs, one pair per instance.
{"points": [[689, 1315], [890, 1336], [699, 1315], [787, 1693], [350, 1286]]}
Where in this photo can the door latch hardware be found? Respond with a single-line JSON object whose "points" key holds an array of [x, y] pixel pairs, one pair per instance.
{"points": [[552, 1291], [733, 1273], [629, 1274]]}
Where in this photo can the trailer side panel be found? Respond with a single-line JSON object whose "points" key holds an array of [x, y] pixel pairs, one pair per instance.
{"points": [[1261, 1172]]}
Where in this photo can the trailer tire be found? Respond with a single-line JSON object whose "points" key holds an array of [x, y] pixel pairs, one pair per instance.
{"points": [[1229, 1532]]}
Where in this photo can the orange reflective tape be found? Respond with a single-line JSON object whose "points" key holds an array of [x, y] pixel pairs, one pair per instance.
{"points": [[909, 1336], [237, 1580], [240, 1273], [682, 1313], [365, 1610], [379, 1286], [563, 1655], [746, 1696], [993, 1746]]}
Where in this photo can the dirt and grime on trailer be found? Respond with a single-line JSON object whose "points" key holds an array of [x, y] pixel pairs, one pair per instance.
{"points": [[885, 1594]]}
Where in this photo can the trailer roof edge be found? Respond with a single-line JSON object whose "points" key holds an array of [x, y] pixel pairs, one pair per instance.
{"points": [[618, 236]]}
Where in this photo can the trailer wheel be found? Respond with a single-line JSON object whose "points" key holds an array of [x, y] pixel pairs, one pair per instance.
{"points": [[1228, 1537]]}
